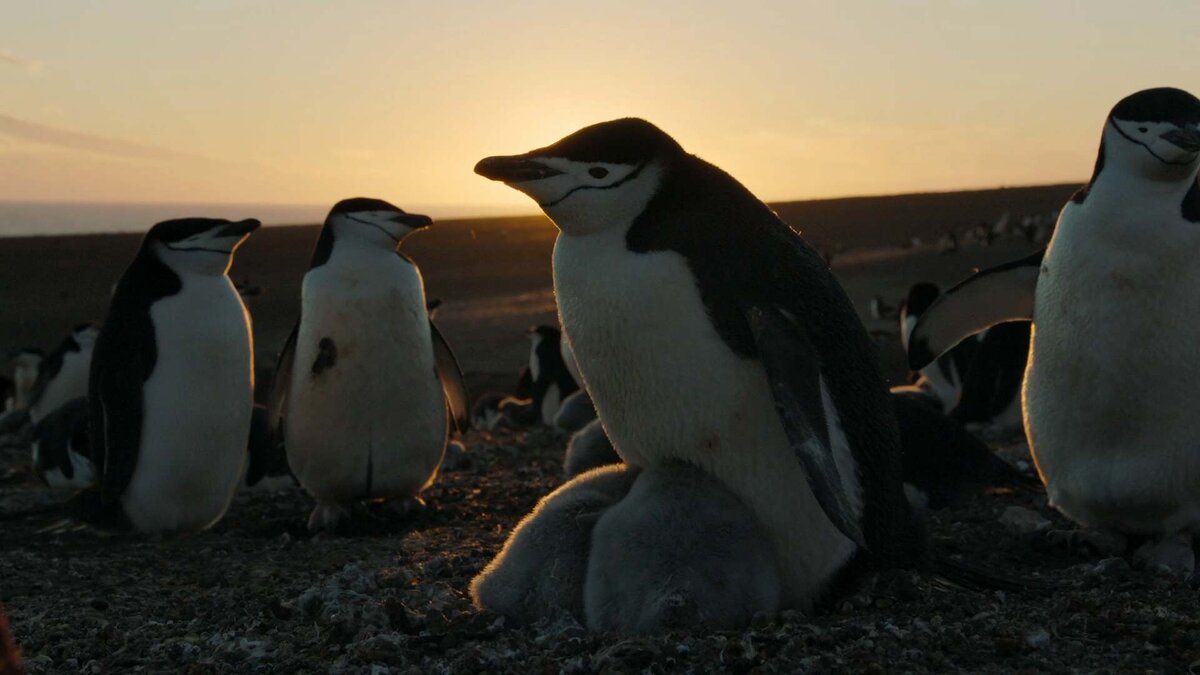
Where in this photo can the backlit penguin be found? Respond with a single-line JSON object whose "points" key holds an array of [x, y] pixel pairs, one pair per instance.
{"points": [[171, 383], [1113, 377], [63, 375], [741, 354], [942, 379], [365, 380], [552, 381], [543, 566], [679, 551], [62, 453]]}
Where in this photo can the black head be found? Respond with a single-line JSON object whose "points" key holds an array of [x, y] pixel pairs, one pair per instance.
{"points": [[1155, 133], [200, 245], [596, 177], [373, 220]]}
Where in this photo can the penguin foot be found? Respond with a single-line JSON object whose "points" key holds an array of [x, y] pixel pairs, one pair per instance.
{"points": [[326, 516], [1089, 541], [1171, 555]]}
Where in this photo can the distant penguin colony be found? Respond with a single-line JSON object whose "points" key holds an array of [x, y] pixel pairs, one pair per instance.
{"points": [[366, 386], [1113, 374], [171, 383], [729, 363], [731, 448]]}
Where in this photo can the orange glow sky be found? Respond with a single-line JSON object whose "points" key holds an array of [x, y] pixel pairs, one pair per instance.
{"points": [[309, 102]]}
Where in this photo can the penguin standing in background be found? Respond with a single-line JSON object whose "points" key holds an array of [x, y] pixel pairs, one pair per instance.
{"points": [[26, 364], [365, 381], [552, 381], [741, 356], [171, 383], [63, 375], [1113, 376]]}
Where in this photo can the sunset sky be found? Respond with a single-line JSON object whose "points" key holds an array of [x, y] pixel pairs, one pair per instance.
{"points": [[309, 102]]}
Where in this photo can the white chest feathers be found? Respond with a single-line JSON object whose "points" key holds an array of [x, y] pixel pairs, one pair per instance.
{"points": [[366, 411], [668, 387], [1114, 376], [196, 408]]}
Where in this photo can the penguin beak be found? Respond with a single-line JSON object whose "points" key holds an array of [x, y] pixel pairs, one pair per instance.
{"points": [[516, 169], [1186, 138], [413, 220], [239, 229]]}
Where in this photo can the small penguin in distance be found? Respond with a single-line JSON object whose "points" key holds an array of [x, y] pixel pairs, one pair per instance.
{"points": [[171, 383], [1109, 403], [62, 453], [63, 375], [367, 389], [552, 380], [742, 356]]}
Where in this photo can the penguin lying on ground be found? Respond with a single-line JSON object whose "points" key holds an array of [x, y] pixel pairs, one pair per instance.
{"points": [[1109, 404], [742, 355], [367, 387]]}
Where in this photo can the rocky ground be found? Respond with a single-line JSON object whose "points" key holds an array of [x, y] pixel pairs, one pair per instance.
{"points": [[257, 594]]}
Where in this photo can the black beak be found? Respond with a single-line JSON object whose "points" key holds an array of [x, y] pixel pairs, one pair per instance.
{"points": [[240, 228], [516, 169], [1186, 138], [413, 220]]}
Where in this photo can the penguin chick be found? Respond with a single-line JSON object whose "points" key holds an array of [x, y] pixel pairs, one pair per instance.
{"points": [[679, 551], [576, 411], [542, 567], [589, 448]]}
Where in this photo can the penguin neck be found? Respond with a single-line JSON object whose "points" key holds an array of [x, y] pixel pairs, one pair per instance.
{"points": [[1131, 190], [349, 250]]}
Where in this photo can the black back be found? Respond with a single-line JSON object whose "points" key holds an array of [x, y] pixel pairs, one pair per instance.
{"points": [[994, 379], [124, 357], [742, 253]]}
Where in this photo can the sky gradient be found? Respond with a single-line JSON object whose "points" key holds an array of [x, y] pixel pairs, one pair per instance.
{"points": [[309, 102]]}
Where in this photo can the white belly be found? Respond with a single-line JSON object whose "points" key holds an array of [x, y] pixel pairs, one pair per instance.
{"points": [[70, 383], [196, 409], [666, 386], [374, 424], [1112, 388]]}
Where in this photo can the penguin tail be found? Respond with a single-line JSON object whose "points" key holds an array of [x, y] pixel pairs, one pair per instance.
{"points": [[978, 577]]}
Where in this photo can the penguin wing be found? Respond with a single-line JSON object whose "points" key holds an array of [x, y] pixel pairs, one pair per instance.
{"points": [[996, 295], [450, 373], [793, 367], [124, 358], [281, 381]]}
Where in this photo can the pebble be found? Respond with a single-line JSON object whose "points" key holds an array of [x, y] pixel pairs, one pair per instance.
{"points": [[1023, 521], [1038, 638]]}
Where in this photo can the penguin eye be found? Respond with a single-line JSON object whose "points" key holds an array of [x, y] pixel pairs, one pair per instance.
{"points": [[598, 172]]}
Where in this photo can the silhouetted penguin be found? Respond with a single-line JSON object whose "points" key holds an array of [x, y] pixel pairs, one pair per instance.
{"points": [[365, 382], [1113, 374], [709, 332], [171, 383]]}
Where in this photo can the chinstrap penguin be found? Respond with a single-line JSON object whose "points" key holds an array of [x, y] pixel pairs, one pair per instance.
{"points": [[589, 448], [718, 363], [552, 380], [63, 375], [171, 383], [62, 453], [1113, 374], [366, 385]]}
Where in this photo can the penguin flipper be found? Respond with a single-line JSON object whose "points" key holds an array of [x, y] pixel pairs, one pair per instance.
{"points": [[995, 295], [124, 357], [794, 371], [281, 381], [453, 383]]}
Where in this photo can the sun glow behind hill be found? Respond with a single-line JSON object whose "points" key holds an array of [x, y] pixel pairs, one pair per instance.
{"points": [[274, 102]]}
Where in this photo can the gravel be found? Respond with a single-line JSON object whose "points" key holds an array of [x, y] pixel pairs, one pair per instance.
{"points": [[257, 594]]}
